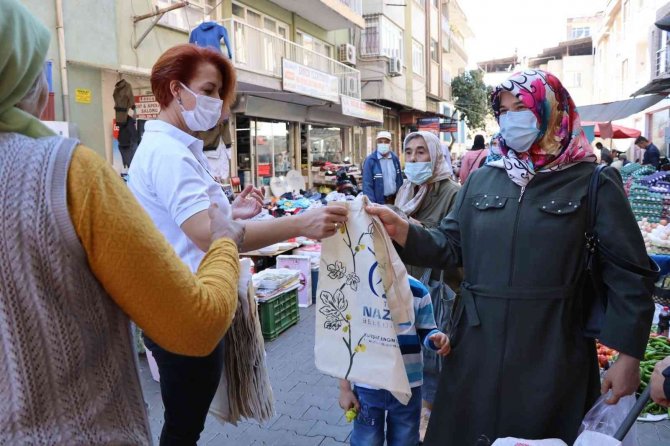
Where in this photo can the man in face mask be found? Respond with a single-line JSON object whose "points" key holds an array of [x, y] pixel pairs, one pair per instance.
{"points": [[382, 175]]}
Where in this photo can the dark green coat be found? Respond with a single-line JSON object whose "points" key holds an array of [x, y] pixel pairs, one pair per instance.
{"points": [[435, 206], [520, 365]]}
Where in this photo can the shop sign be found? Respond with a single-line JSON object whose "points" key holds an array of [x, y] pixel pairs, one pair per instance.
{"points": [[309, 82], [429, 125], [146, 107], [264, 170], [82, 95], [450, 126], [362, 110]]}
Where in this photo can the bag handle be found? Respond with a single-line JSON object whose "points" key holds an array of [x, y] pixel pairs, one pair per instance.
{"points": [[427, 274]]}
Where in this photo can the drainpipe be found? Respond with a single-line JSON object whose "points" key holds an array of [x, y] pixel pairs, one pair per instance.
{"points": [[60, 29]]}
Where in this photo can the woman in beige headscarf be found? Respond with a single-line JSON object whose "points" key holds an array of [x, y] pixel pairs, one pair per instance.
{"points": [[426, 197], [78, 259]]}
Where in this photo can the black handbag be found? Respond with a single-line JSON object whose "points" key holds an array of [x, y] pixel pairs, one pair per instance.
{"points": [[595, 295]]}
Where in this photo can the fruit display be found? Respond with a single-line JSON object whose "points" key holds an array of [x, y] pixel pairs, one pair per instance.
{"points": [[606, 355], [656, 236], [649, 196]]}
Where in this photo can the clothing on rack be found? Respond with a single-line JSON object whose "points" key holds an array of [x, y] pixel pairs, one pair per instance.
{"points": [[123, 100], [128, 140], [209, 35], [211, 137]]}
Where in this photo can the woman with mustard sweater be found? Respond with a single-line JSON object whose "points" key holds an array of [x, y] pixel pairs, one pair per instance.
{"points": [[79, 258]]}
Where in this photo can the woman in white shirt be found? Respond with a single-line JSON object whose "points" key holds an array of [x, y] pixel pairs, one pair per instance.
{"points": [[170, 178]]}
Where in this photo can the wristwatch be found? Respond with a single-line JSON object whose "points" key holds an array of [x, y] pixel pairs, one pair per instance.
{"points": [[666, 383]]}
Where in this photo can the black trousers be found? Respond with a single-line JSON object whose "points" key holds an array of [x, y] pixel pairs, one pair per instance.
{"points": [[188, 385]]}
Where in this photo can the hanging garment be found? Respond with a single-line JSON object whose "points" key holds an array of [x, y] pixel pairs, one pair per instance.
{"points": [[219, 162], [364, 302], [210, 138], [128, 140], [244, 390], [123, 100], [140, 130], [209, 35]]}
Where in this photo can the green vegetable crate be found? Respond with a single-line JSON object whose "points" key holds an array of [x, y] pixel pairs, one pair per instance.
{"points": [[278, 314]]}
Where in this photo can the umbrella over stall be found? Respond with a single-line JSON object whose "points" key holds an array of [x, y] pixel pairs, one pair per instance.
{"points": [[608, 130]]}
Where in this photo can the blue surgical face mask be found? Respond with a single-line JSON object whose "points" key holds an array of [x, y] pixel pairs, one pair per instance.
{"points": [[419, 173], [519, 129], [383, 148]]}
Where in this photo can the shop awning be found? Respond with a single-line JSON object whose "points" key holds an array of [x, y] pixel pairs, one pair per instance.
{"points": [[655, 87], [603, 130], [664, 23], [611, 111]]}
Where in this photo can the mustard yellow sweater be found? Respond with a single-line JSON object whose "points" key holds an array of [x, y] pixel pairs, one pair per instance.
{"points": [[184, 313]]}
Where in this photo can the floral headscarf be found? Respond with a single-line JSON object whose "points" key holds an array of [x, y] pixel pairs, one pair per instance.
{"points": [[561, 142]]}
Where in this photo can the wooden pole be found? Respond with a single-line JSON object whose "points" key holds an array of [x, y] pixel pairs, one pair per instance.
{"points": [[161, 11]]}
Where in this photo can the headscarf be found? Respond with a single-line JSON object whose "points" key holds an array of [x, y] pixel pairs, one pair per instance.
{"points": [[408, 199], [24, 42], [494, 152], [447, 158], [561, 142]]}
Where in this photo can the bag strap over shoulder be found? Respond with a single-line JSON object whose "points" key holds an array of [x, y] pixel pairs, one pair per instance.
{"points": [[593, 245]]}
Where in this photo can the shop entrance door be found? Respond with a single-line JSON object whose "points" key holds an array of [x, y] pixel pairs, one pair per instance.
{"points": [[271, 143]]}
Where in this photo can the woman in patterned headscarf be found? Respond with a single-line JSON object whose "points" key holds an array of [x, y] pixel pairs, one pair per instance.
{"points": [[521, 365]]}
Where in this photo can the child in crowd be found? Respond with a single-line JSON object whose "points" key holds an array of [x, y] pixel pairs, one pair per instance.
{"points": [[375, 406]]}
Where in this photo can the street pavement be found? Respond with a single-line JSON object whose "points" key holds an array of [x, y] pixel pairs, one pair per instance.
{"points": [[307, 412]]}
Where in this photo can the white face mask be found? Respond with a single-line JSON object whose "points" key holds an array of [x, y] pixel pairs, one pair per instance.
{"points": [[519, 129], [419, 173], [383, 148], [206, 113]]}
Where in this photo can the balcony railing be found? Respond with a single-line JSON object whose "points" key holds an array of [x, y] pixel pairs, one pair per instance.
{"points": [[456, 46], [663, 61], [262, 52]]}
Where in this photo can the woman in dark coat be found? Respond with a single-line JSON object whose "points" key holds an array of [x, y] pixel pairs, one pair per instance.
{"points": [[521, 365]]}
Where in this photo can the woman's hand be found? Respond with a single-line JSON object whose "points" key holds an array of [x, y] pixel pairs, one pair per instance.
{"points": [[322, 222], [623, 378], [222, 226], [442, 343], [248, 203], [395, 225], [656, 383]]}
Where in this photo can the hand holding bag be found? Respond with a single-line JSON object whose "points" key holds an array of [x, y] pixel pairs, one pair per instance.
{"points": [[443, 298], [363, 302]]}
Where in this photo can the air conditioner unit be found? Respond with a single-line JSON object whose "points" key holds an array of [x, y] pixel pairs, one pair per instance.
{"points": [[395, 66], [347, 54]]}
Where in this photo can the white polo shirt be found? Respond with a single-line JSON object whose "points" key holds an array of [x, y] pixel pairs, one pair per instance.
{"points": [[169, 176]]}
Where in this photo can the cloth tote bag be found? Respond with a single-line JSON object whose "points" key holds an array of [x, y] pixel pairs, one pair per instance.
{"points": [[363, 302]]}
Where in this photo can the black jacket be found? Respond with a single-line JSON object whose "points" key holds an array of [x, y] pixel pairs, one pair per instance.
{"points": [[520, 365]]}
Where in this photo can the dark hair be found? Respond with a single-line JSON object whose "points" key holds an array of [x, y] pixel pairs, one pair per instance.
{"points": [[599, 145], [479, 143], [640, 139], [179, 64]]}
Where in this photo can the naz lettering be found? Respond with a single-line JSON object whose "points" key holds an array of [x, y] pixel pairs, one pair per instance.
{"points": [[376, 313]]}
